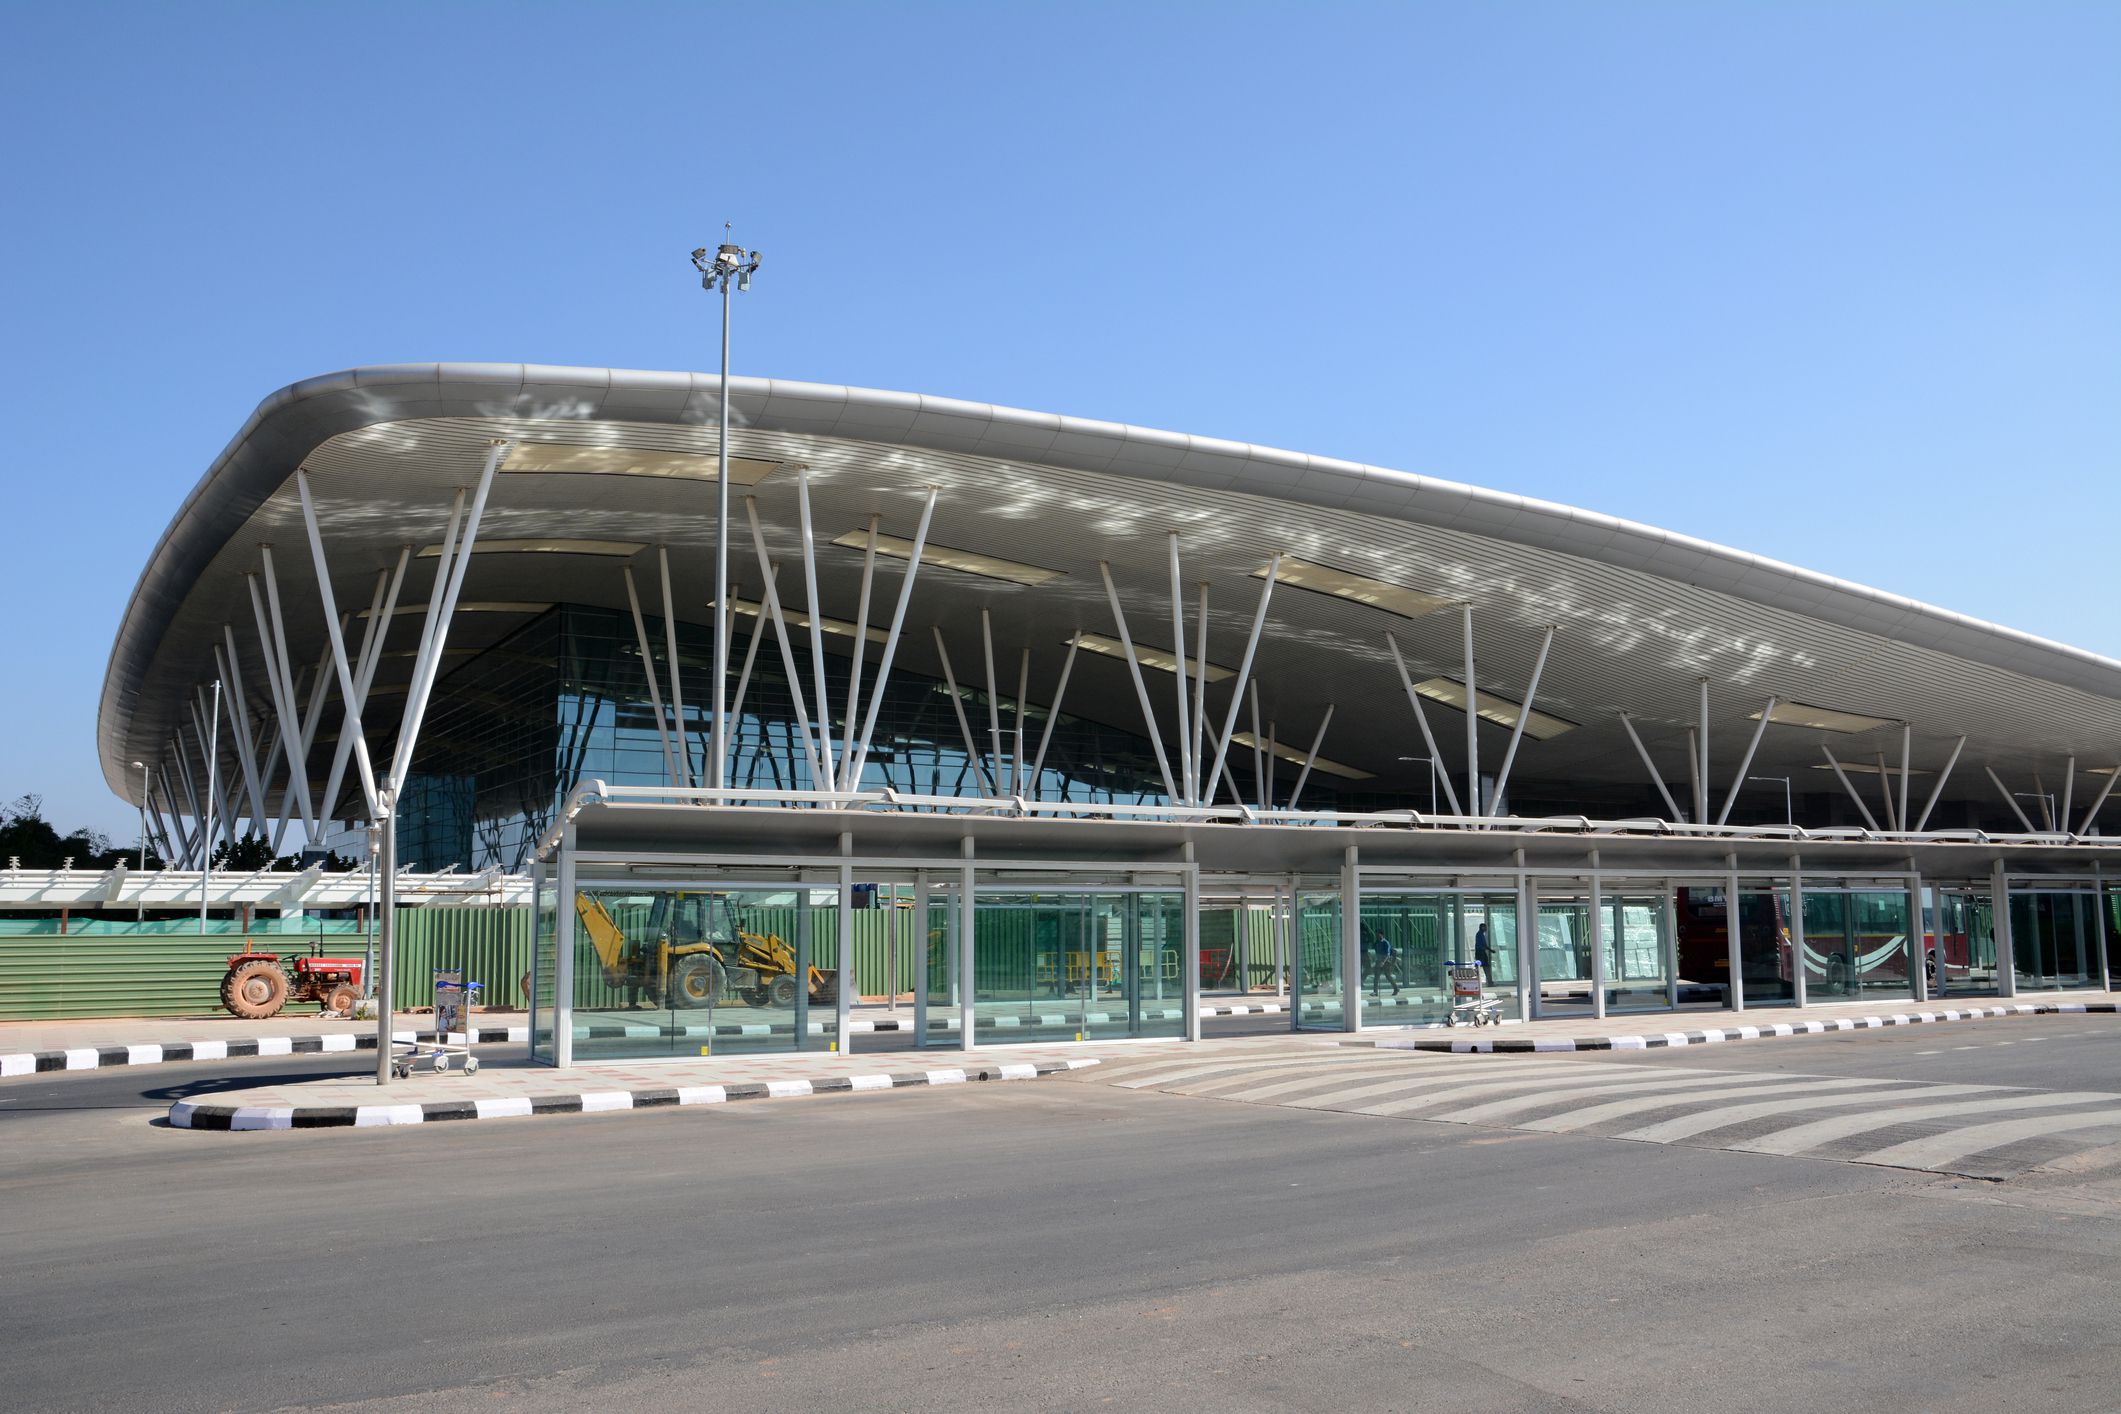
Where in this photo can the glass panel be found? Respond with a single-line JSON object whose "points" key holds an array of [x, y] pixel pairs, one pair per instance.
{"points": [[544, 922], [1855, 944], [2052, 937], [1638, 975], [1410, 939], [1564, 950], [689, 972], [1963, 950], [1067, 966], [1316, 981], [939, 971], [1764, 947]]}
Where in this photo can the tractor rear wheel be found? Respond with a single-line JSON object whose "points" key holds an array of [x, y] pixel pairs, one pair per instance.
{"points": [[341, 999], [255, 990], [695, 981]]}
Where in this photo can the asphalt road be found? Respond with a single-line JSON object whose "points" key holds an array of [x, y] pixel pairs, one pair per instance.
{"points": [[1049, 1245]]}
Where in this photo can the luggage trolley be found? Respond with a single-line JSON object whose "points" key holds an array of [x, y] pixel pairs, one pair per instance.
{"points": [[454, 999], [1468, 1006]]}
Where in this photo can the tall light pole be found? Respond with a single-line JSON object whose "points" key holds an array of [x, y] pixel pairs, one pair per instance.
{"points": [[141, 767], [729, 265], [1789, 803]]}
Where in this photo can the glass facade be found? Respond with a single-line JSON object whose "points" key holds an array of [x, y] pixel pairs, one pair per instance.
{"points": [[1856, 944], [1082, 965], [1410, 939], [2054, 938], [564, 699]]}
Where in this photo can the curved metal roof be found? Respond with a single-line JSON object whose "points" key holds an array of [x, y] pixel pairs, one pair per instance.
{"points": [[384, 443]]}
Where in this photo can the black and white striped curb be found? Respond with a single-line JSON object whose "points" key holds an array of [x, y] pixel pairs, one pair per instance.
{"points": [[188, 1114], [157, 1053], [1720, 1035]]}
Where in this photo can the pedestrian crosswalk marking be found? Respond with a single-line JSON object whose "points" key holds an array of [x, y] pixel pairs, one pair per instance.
{"points": [[1672, 1131], [1438, 1089], [1956, 1145], [1643, 1104], [1529, 1097], [1826, 1131]]}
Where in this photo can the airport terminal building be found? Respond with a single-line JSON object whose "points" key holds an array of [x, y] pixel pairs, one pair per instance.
{"points": [[1098, 731]]}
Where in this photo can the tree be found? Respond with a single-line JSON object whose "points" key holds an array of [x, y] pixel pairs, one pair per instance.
{"points": [[27, 837]]}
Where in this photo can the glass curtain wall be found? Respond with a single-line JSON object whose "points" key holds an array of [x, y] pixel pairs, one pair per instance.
{"points": [[1636, 928], [543, 957], [1315, 971], [1409, 939], [2054, 938], [1964, 944], [1856, 943], [688, 971], [1078, 964]]}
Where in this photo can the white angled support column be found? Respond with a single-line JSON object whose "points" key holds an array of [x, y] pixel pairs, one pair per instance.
{"points": [[1188, 769], [564, 928], [648, 672], [861, 647], [1999, 902], [281, 676], [1907, 764], [2010, 800], [1524, 714], [1244, 668], [1189, 970], [1745, 764], [1203, 790], [1918, 950], [964, 724], [819, 780], [891, 642], [1701, 764], [1842, 776], [843, 960], [231, 679], [994, 711], [680, 734], [1045, 737], [1421, 719], [823, 700], [352, 720], [1650, 766], [438, 631], [1937, 790], [381, 616], [1141, 690], [1474, 804], [1311, 756], [1597, 917], [2084, 827]]}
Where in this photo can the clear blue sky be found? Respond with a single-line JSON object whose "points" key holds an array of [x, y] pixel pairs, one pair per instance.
{"points": [[1836, 283]]}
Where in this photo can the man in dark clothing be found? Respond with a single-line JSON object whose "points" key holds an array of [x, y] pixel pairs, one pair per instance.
{"points": [[1377, 960]]}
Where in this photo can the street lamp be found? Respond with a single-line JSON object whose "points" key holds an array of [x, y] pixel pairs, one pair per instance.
{"points": [[1430, 762], [2046, 798], [1789, 808], [141, 767], [729, 265]]}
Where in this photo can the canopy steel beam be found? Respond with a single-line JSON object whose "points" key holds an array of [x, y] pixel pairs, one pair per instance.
{"points": [[861, 646], [2010, 800], [1311, 757], [892, 636], [817, 626], [1053, 709], [680, 734], [768, 573], [1650, 766], [964, 723], [2091, 815], [1244, 666], [1937, 790], [1476, 805], [1745, 764], [1188, 768], [1421, 719], [382, 613], [1141, 690], [648, 671], [1849, 786], [352, 698], [1524, 714], [281, 676], [994, 719]]}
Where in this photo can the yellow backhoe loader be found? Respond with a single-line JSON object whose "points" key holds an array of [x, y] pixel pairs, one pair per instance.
{"points": [[693, 953]]}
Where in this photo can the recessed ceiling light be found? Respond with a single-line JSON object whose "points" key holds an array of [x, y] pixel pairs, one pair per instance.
{"points": [[1287, 752], [556, 459], [796, 619], [1859, 768], [964, 561], [1540, 726], [1162, 659], [1825, 719], [616, 549], [1361, 589], [483, 606]]}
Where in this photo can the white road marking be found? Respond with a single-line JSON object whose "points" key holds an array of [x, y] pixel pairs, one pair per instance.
{"points": [[1672, 1131], [1531, 1095], [1620, 1109], [1938, 1150], [1826, 1131]]}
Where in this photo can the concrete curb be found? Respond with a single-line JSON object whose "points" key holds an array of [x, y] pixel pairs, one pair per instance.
{"points": [[186, 1114], [156, 1053], [1530, 1045]]}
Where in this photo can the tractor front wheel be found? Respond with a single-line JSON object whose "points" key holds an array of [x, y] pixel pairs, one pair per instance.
{"points": [[695, 981], [781, 993], [341, 999], [254, 991]]}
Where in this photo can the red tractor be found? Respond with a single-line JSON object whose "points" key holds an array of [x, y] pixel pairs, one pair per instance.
{"points": [[257, 985]]}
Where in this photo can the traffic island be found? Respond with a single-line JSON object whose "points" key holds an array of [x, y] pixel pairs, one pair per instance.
{"points": [[517, 1092]]}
